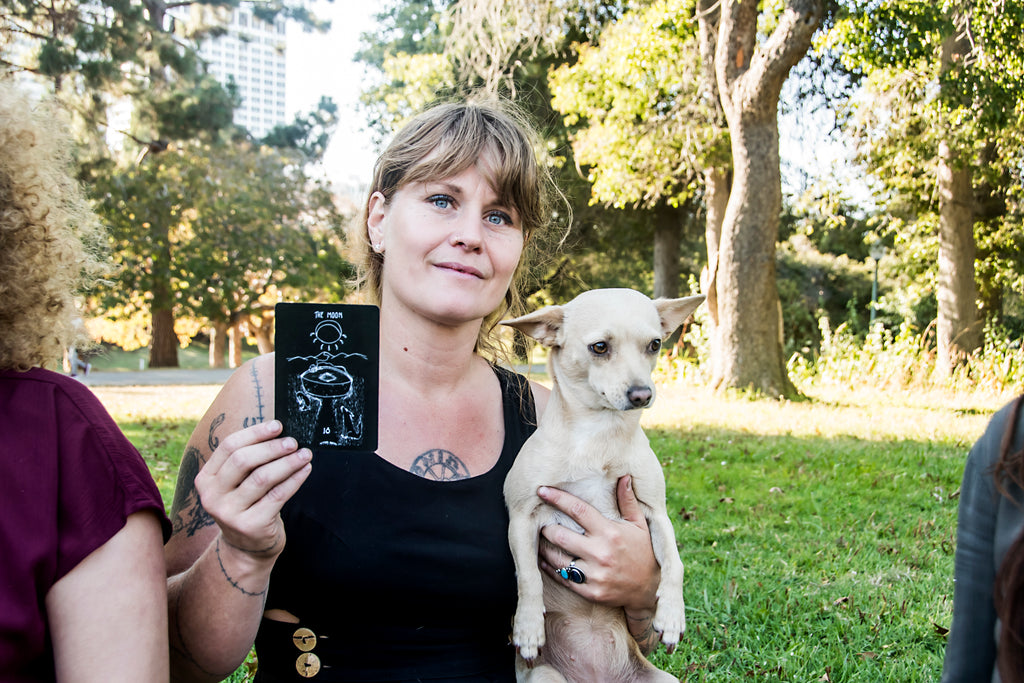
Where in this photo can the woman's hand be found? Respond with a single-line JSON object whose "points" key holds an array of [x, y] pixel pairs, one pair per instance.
{"points": [[616, 556], [245, 483]]}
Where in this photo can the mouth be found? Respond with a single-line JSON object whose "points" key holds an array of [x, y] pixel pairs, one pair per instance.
{"points": [[460, 269]]}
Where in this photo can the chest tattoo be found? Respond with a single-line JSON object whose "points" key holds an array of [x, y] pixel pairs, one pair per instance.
{"points": [[440, 465]]}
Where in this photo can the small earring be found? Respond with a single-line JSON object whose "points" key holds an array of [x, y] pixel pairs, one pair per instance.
{"points": [[378, 247]]}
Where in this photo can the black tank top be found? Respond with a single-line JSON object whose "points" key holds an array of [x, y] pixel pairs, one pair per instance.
{"points": [[398, 577]]}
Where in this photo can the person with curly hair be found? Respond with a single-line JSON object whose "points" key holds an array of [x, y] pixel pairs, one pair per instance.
{"points": [[83, 589]]}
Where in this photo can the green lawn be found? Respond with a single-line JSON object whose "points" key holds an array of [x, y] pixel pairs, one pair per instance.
{"points": [[817, 536]]}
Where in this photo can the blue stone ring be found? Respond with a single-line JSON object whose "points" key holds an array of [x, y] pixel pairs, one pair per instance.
{"points": [[573, 573]]}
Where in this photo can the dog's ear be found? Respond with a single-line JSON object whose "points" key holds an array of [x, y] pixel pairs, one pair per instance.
{"points": [[544, 325], [674, 311]]}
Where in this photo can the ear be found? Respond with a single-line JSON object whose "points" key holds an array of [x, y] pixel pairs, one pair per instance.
{"points": [[674, 311], [376, 209], [544, 325]]}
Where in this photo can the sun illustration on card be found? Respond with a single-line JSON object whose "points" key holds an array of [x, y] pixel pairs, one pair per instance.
{"points": [[326, 367]]}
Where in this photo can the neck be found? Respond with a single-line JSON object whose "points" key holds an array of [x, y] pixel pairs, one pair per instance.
{"points": [[425, 355]]}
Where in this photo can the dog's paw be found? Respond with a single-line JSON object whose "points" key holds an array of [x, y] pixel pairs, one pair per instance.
{"points": [[670, 622], [528, 633]]}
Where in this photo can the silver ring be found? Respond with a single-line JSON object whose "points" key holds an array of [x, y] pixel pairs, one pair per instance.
{"points": [[572, 573]]}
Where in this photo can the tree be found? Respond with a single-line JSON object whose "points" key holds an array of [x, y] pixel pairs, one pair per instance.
{"points": [[947, 79], [641, 128], [244, 227], [750, 75], [99, 53]]}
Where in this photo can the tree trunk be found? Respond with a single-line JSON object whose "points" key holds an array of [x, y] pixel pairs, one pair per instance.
{"points": [[750, 78], [218, 345], [262, 328], [716, 196], [163, 348], [668, 227], [716, 179], [236, 336], [957, 328]]}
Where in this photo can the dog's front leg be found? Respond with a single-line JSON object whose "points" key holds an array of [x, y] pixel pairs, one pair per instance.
{"points": [[670, 615], [528, 627]]}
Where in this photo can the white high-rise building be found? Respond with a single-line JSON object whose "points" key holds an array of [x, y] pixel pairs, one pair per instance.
{"points": [[252, 52]]}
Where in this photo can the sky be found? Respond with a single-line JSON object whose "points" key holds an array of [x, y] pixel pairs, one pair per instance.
{"points": [[320, 64]]}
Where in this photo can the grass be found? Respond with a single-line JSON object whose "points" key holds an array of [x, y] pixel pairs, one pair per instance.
{"points": [[817, 536], [109, 358]]}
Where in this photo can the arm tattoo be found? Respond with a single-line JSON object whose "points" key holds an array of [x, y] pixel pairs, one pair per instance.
{"points": [[234, 584], [643, 633], [250, 421], [440, 465], [187, 510], [211, 440]]}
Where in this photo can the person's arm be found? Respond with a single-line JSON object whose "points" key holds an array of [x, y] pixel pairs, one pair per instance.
{"points": [[227, 525], [108, 618], [617, 557], [971, 647]]}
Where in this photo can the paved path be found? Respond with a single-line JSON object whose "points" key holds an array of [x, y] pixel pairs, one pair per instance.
{"points": [[177, 376], [158, 376]]}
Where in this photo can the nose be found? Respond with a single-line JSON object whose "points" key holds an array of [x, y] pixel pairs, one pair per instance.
{"points": [[467, 233], [639, 397]]}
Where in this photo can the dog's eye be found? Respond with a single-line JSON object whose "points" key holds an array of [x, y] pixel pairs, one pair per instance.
{"points": [[599, 348], [654, 346]]}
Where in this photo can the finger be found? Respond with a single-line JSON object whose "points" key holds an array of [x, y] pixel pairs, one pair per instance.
{"points": [[245, 466], [629, 506], [270, 503], [273, 480], [261, 431], [582, 512]]}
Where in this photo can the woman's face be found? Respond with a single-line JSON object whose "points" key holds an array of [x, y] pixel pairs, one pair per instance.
{"points": [[450, 247]]}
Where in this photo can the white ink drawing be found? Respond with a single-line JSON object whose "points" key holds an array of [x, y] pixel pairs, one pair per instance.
{"points": [[328, 400]]}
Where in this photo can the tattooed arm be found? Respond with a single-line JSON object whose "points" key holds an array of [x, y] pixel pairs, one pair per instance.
{"points": [[235, 475]]}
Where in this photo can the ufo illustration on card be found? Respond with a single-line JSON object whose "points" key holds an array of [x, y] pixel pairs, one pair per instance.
{"points": [[327, 374]]}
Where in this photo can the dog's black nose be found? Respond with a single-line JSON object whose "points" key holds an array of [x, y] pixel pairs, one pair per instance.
{"points": [[639, 397]]}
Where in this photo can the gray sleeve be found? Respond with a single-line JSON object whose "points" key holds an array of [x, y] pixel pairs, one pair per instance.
{"points": [[971, 648]]}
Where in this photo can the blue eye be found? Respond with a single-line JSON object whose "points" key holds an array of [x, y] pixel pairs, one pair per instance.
{"points": [[440, 201], [499, 218]]}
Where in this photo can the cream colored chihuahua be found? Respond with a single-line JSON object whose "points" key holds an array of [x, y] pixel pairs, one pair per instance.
{"points": [[604, 345]]}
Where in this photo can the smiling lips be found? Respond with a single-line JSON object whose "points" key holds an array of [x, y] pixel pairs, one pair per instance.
{"points": [[459, 268]]}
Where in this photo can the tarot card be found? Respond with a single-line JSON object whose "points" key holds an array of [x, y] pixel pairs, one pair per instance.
{"points": [[326, 370]]}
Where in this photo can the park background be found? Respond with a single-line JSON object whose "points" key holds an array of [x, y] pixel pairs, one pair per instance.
{"points": [[864, 317]]}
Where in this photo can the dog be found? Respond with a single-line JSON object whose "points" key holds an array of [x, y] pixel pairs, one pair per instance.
{"points": [[604, 345]]}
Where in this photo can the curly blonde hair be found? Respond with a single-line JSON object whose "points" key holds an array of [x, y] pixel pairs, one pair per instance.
{"points": [[48, 234]]}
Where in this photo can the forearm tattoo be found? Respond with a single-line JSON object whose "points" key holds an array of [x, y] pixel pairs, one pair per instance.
{"points": [[256, 419], [187, 513], [234, 584], [440, 465], [643, 633]]}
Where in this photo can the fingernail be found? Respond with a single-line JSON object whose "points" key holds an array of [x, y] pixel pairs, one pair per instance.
{"points": [[305, 454], [544, 492], [289, 444], [629, 482]]}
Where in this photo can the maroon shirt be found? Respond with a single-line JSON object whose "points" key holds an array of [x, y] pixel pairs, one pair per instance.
{"points": [[69, 479]]}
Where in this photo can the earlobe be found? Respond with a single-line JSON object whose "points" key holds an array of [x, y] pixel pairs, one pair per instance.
{"points": [[376, 211]]}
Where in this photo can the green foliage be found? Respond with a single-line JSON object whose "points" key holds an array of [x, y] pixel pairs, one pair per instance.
{"points": [[633, 105], [218, 231], [309, 133]]}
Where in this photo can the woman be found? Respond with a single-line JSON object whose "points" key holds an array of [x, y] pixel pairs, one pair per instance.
{"points": [[83, 586], [388, 575], [985, 639]]}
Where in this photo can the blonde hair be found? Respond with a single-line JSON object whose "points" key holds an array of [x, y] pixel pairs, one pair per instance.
{"points": [[445, 140], [45, 225]]}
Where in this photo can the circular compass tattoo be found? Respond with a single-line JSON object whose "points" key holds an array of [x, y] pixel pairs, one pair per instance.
{"points": [[440, 465]]}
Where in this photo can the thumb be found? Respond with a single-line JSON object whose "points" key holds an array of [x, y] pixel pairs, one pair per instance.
{"points": [[629, 506]]}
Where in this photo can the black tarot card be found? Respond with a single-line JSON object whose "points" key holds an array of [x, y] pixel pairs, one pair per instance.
{"points": [[326, 369]]}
